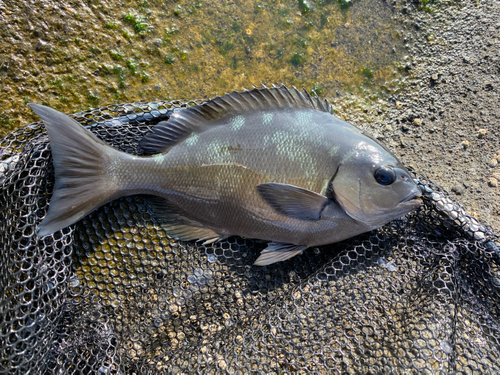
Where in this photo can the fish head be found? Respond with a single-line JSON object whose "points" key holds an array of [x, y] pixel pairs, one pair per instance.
{"points": [[373, 187]]}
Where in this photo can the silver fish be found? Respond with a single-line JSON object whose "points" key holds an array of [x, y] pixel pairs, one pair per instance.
{"points": [[271, 164]]}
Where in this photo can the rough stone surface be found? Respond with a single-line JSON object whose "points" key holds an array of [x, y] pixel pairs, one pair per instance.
{"points": [[453, 89]]}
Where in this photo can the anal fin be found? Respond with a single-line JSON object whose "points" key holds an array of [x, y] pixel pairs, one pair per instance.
{"points": [[190, 233], [277, 252], [179, 226]]}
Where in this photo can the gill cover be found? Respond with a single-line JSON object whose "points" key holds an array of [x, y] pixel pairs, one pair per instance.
{"points": [[374, 188]]}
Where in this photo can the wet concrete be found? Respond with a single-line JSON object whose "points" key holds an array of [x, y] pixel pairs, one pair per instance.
{"points": [[75, 55], [446, 123]]}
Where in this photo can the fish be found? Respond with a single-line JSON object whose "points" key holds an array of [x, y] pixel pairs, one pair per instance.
{"points": [[271, 164]]}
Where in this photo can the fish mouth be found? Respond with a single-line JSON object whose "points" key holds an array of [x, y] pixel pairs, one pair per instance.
{"points": [[412, 200]]}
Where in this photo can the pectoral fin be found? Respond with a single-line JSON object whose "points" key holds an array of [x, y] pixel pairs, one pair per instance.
{"points": [[179, 226], [293, 201], [277, 252]]}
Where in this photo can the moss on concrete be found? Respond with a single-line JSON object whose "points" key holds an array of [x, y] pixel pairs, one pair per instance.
{"points": [[74, 55]]}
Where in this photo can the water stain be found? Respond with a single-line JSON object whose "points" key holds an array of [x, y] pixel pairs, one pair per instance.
{"points": [[75, 55]]}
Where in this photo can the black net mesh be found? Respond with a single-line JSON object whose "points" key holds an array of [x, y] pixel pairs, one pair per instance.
{"points": [[115, 294]]}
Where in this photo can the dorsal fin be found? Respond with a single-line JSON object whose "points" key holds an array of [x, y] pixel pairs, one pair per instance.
{"points": [[201, 116]]}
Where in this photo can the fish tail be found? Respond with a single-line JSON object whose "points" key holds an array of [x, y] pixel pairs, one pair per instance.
{"points": [[80, 160]]}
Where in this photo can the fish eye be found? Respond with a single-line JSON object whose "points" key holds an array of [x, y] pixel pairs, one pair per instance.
{"points": [[385, 176]]}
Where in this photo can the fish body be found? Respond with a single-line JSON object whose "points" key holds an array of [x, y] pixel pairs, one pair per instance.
{"points": [[270, 164]]}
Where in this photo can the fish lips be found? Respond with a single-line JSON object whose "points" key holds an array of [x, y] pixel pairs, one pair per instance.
{"points": [[405, 206], [412, 200]]}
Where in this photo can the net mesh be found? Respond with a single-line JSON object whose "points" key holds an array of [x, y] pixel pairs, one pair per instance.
{"points": [[115, 294]]}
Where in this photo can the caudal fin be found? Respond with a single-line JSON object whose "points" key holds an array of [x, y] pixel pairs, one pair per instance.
{"points": [[80, 160]]}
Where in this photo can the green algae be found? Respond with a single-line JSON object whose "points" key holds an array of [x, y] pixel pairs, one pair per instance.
{"points": [[345, 3], [317, 89], [297, 59], [427, 5], [111, 52], [6, 123], [305, 6], [138, 22]]}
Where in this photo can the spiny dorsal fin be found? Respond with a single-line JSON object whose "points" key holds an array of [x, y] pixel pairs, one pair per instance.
{"points": [[200, 117]]}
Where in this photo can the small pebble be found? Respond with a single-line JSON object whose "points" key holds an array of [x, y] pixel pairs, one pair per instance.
{"points": [[40, 44], [388, 128], [482, 132], [222, 364], [496, 175], [435, 77], [492, 182], [399, 105], [465, 144], [496, 281], [458, 189], [493, 162], [417, 122]]}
